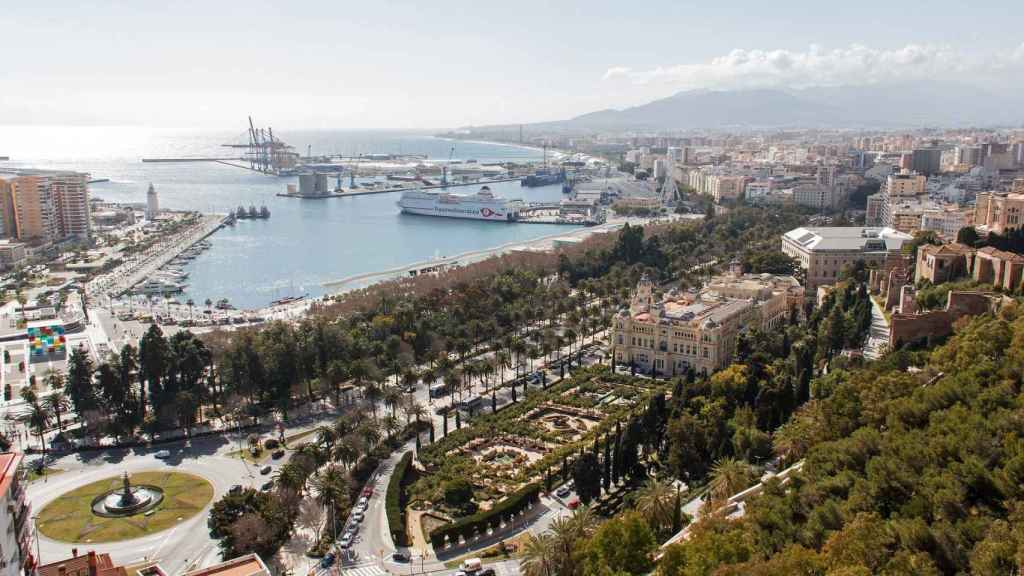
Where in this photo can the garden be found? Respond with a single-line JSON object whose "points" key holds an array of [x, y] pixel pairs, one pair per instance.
{"points": [[484, 475]]}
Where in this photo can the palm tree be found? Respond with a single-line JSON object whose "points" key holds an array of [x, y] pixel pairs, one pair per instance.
{"points": [[326, 437], [291, 477], [391, 425], [37, 417], [654, 502], [209, 304], [331, 487], [346, 450], [56, 403], [539, 556], [729, 476], [190, 303], [54, 379]]}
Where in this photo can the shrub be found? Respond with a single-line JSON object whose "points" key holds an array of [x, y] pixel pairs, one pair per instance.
{"points": [[395, 502], [477, 523]]}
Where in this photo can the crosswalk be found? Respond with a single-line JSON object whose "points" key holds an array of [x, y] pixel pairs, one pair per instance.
{"points": [[366, 569]]}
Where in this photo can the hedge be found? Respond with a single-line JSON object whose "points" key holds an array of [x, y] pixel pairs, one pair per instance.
{"points": [[478, 523], [393, 500]]}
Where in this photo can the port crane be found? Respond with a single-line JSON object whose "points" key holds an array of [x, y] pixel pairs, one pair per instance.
{"points": [[444, 170], [264, 152]]}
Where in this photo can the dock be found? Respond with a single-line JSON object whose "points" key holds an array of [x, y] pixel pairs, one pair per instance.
{"points": [[360, 192]]}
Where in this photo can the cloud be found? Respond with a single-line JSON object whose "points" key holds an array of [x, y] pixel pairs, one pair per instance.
{"points": [[816, 66], [616, 72]]}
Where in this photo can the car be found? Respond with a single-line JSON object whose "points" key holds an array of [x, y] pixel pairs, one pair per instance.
{"points": [[363, 501], [486, 572], [353, 529], [267, 486], [358, 516], [162, 454], [400, 557], [266, 469], [235, 489], [368, 491], [346, 540], [327, 560], [563, 492], [360, 508], [574, 504], [278, 454]]}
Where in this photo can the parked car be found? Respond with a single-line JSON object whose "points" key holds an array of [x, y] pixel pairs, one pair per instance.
{"points": [[346, 541], [327, 560], [574, 504], [267, 486], [563, 492], [400, 556], [266, 469], [358, 516], [486, 572], [278, 454], [368, 491], [363, 501], [162, 454]]}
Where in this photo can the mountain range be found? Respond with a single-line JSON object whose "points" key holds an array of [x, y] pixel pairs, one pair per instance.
{"points": [[907, 105]]}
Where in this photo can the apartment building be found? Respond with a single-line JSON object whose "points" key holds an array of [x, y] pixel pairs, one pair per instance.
{"points": [[42, 206], [825, 251], [70, 191], [15, 537], [34, 211]]}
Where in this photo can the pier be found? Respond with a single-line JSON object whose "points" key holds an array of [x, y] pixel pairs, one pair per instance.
{"points": [[368, 191]]}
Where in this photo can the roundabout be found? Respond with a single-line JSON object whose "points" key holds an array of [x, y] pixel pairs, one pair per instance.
{"points": [[124, 507]]}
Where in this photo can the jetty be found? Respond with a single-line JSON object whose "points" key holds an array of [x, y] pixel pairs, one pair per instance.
{"points": [[345, 193]]}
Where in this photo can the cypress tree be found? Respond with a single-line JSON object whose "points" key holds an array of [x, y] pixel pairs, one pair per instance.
{"points": [[494, 402], [445, 423], [606, 476], [431, 431], [458, 420], [677, 514]]}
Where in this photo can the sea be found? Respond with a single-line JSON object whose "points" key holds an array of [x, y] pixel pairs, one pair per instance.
{"points": [[305, 242]]}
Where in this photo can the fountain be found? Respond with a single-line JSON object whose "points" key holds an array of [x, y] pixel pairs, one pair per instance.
{"points": [[127, 500]]}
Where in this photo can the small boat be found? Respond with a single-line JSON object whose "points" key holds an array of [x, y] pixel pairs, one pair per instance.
{"points": [[286, 300]]}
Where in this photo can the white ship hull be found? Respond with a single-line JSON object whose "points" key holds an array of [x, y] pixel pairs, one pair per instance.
{"points": [[481, 206]]}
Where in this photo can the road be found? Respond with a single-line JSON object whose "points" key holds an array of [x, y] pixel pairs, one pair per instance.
{"points": [[189, 543]]}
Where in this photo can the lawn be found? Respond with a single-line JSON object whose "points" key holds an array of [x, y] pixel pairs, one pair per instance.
{"points": [[266, 455], [34, 475], [69, 518]]}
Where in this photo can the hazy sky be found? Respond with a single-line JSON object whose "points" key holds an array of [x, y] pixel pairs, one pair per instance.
{"points": [[432, 64]]}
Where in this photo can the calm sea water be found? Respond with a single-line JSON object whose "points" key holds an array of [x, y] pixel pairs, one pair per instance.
{"points": [[305, 242]]}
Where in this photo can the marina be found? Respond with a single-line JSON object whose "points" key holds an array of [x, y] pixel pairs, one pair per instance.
{"points": [[303, 244]]}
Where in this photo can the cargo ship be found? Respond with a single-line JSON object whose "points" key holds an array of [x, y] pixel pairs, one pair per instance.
{"points": [[483, 205]]}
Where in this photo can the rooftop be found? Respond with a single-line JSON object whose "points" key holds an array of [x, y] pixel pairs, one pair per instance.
{"points": [[8, 466], [847, 238], [248, 565]]}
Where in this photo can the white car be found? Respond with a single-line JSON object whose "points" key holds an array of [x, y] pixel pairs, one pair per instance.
{"points": [[345, 541], [162, 454], [357, 517], [363, 501]]}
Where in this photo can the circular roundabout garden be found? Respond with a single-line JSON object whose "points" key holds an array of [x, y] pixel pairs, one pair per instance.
{"points": [[101, 511]]}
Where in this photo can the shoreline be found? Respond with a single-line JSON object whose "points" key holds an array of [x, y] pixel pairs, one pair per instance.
{"points": [[542, 244]]}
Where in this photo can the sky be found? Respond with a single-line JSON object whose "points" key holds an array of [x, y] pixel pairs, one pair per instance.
{"points": [[444, 64]]}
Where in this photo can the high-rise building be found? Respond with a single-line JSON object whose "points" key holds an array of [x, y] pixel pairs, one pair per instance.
{"points": [[905, 184], [70, 191], [35, 217], [44, 207], [927, 161], [15, 536], [7, 228], [152, 203]]}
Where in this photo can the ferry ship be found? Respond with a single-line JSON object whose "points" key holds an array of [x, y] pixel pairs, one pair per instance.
{"points": [[483, 205]]}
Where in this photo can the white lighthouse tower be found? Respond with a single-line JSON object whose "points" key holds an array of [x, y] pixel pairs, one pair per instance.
{"points": [[152, 203]]}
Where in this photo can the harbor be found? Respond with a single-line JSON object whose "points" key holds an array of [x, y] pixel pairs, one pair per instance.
{"points": [[364, 191]]}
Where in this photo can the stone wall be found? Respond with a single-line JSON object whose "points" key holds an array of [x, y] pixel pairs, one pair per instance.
{"points": [[908, 328]]}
